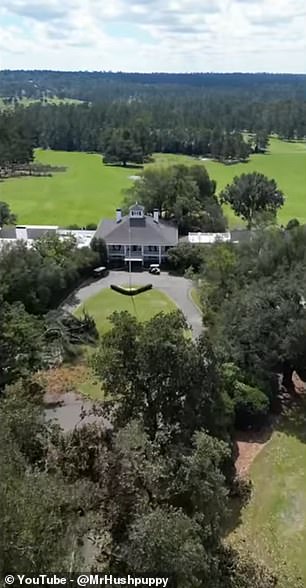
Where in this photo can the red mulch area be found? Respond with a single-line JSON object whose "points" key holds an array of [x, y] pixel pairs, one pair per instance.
{"points": [[250, 444]]}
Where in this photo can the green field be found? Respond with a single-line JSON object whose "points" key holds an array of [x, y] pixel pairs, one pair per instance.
{"points": [[274, 522], [85, 193], [285, 162], [143, 306], [89, 190]]}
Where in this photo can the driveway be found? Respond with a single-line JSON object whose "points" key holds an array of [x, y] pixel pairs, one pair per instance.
{"points": [[176, 287], [68, 413]]}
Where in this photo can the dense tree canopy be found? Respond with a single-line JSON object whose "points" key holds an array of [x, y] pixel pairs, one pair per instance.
{"points": [[253, 299], [122, 147], [156, 372], [39, 277], [250, 194], [184, 194], [16, 144]]}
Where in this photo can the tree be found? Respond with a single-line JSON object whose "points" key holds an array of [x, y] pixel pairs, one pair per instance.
{"points": [[185, 256], [155, 512], [99, 246], [251, 405], [31, 499], [21, 343], [184, 194], [155, 371], [6, 216], [122, 148], [41, 276], [292, 224], [250, 194], [261, 328]]}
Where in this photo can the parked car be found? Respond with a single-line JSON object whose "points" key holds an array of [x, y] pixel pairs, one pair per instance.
{"points": [[100, 272], [154, 269]]}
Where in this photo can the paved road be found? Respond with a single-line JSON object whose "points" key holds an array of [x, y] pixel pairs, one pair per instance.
{"points": [[176, 287]]}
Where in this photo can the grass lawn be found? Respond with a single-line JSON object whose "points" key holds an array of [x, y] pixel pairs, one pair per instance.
{"points": [[285, 162], [274, 522], [89, 190], [85, 193], [144, 306]]}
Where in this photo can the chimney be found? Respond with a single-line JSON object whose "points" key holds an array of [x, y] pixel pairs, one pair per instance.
{"points": [[118, 215], [156, 215], [21, 232]]}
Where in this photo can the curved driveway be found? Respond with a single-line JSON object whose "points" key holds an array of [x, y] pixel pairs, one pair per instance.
{"points": [[176, 287]]}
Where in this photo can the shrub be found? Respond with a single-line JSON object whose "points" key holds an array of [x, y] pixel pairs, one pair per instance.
{"points": [[131, 291], [73, 227], [251, 406], [292, 224], [185, 256]]}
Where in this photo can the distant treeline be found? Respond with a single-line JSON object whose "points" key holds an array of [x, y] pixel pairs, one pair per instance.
{"points": [[94, 86], [193, 114]]}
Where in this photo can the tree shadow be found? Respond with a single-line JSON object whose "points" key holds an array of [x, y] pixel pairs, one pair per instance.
{"points": [[293, 420], [126, 166]]}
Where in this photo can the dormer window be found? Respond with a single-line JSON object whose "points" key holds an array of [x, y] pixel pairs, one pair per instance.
{"points": [[136, 211]]}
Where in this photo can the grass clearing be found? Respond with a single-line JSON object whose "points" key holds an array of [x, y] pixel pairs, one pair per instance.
{"points": [[285, 162], [85, 193], [274, 522], [143, 306], [90, 190]]}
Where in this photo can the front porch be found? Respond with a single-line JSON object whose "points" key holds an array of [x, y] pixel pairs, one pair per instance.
{"points": [[137, 254]]}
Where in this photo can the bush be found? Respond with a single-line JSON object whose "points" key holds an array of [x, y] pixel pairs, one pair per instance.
{"points": [[91, 226], [185, 256], [292, 224], [73, 227], [242, 489], [251, 406]]}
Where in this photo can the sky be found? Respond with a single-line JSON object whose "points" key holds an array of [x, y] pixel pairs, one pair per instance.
{"points": [[154, 35]]}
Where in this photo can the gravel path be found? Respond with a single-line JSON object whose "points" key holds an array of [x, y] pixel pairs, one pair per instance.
{"points": [[176, 287]]}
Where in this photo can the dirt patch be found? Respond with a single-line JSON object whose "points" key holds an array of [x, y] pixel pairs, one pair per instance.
{"points": [[58, 381], [249, 445]]}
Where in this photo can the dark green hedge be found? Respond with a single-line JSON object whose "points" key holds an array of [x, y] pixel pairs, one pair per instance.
{"points": [[128, 292]]}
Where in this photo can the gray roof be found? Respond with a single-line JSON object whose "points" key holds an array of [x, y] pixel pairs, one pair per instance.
{"points": [[241, 235], [143, 231], [34, 233], [8, 233], [137, 206]]}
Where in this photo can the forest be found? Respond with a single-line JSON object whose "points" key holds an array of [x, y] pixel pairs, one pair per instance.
{"points": [[127, 117]]}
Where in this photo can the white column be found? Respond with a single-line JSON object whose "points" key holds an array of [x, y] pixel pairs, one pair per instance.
{"points": [[159, 253]]}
